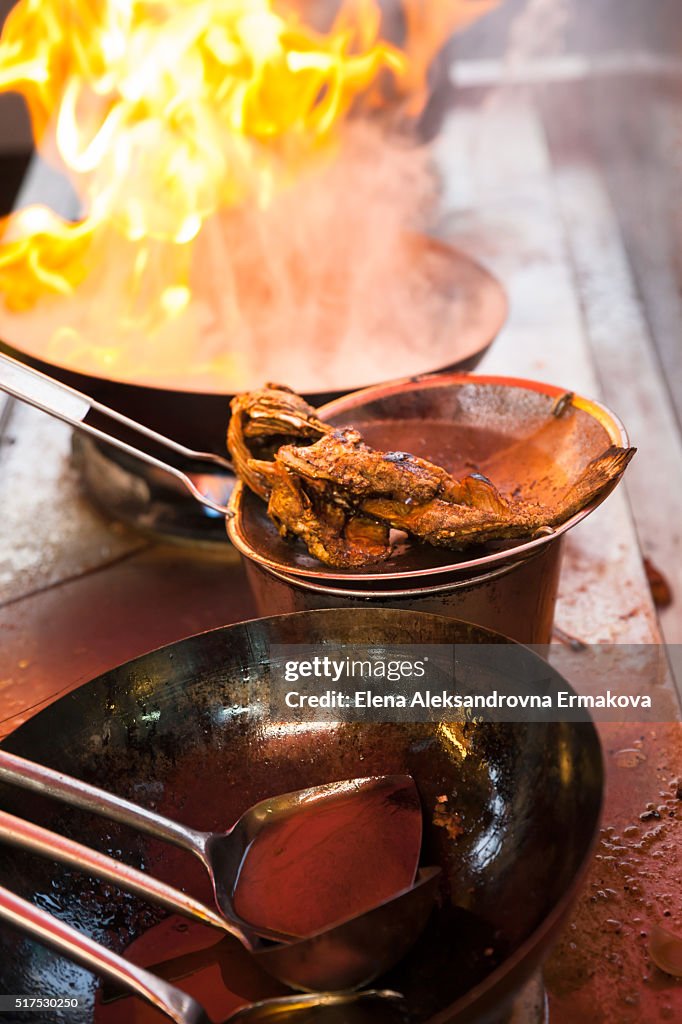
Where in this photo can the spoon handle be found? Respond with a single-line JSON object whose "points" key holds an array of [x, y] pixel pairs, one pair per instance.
{"points": [[171, 1001], [71, 406], [28, 836], [48, 782], [50, 931]]}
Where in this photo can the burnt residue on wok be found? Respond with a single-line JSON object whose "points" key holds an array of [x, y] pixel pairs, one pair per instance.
{"points": [[191, 721]]}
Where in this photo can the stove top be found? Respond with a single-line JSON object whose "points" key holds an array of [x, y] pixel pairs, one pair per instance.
{"points": [[150, 500]]}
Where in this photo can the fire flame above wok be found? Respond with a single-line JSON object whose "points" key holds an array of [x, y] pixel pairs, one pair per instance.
{"points": [[184, 129]]}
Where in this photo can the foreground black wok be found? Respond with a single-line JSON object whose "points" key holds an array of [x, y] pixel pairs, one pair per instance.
{"points": [[186, 730]]}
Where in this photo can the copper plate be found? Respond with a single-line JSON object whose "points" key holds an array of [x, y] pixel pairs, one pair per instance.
{"points": [[503, 427]]}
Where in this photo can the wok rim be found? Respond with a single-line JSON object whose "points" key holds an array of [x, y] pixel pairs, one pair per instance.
{"points": [[485, 989], [597, 410], [432, 242]]}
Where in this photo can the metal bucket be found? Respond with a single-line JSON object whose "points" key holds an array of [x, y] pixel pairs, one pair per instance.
{"points": [[516, 599]]}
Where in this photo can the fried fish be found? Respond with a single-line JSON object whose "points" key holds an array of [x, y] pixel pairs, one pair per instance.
{"points": [[343, 497]]}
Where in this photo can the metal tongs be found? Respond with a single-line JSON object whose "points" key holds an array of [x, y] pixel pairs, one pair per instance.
{"points": [[72, 407], [322, 1008]]}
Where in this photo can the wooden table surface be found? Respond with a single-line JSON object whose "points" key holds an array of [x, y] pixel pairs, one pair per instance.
{"points": [[549, 177]]}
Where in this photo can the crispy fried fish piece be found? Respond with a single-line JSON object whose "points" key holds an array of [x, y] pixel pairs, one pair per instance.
{"points": [[332, 532], [357, 472], [411, 494], [342, 497], [261, 419]]}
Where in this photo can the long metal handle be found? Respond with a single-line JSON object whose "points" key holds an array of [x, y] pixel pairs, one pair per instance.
{"points": [[390, 1005], [76, 793], [71, 406], [50, 931], [178, 1006], [28, 836]]}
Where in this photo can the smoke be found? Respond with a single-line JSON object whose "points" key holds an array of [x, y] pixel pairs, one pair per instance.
{"points": [[326, 281], [324, 288], [538, 30]]}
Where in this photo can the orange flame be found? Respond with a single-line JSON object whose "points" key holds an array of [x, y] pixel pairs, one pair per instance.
{"points": [[162, 112]]}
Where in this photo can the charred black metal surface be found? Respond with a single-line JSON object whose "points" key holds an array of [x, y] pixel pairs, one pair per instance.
{"points": [[185, 729]]}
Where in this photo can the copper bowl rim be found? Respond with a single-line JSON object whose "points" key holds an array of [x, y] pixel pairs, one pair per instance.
{"points": [[445, 586], [597, 410]]}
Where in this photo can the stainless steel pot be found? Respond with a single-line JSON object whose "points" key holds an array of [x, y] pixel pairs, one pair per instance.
{"points": [[516, 599]]}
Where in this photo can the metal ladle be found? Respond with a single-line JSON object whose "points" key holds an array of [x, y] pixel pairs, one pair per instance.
{"points": [[345, 955], [323, 1008], [222, 853]]}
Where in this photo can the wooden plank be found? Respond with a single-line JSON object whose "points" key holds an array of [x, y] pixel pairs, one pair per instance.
{"points": [[622, 347], [585, 27], [564, 67], [499, 202], [635, 129]]}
